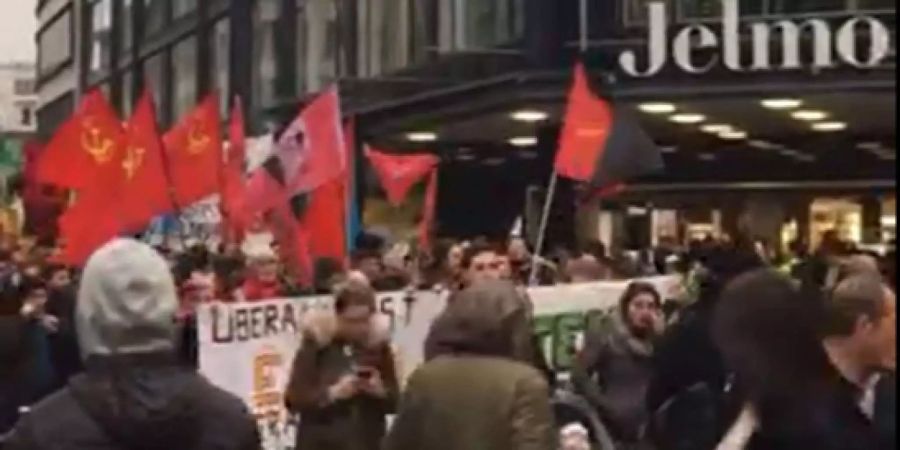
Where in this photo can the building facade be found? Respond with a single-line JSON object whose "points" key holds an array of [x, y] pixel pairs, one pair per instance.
{"points": [[18, 100], [757, 103]]}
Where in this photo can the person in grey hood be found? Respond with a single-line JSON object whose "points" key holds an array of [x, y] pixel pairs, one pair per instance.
{"points": [[614, 369], [133, 395]]}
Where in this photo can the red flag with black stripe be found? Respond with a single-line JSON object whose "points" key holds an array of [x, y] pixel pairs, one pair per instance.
{"points": [[601, 143]]}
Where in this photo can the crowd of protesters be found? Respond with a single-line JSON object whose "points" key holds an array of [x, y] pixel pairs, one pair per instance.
{"points": [[759, 351]]}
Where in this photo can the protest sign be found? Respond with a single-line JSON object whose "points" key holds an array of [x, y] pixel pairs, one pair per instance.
{"points": [[247, 349]]}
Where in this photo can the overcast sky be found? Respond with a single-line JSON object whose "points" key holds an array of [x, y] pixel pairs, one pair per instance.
{"points": [[17, 27]]}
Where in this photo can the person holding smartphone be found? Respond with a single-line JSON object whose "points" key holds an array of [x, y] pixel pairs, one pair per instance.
{"points": [[343, 382]]}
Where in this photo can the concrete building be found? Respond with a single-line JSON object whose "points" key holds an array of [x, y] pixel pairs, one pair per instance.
{"points": [[18, 101], [57, 72]]}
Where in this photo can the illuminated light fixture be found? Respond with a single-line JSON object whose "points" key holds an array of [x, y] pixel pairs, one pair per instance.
{"points": [[810, 115], [765, 145], [716, 128], [830, 126], [421, 136], [523, 141], [687, 118], [530, 116], [782, 103], [706, 157], [790, 153], [668, 149], [870, 146], [806, 158], [657, 108], [733, 135]]}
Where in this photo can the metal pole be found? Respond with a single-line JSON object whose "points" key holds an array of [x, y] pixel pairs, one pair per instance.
{"points": [[542, 229]]}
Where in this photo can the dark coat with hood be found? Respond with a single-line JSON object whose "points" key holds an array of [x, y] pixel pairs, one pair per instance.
{"points": [[14, 362], [134, 395], [355, 424], [476, 394]]}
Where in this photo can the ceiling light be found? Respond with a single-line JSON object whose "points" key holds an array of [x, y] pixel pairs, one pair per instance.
{"points": [[421, 136], [687, 118], [765, 145], [806, 158], [830, 126], [870, 146], [810, 115], [790, 153], [523, 141], [657, 108], [706, 157], [716, 128], [733, 135], [530, 116], [782, 103], [668, 149]]}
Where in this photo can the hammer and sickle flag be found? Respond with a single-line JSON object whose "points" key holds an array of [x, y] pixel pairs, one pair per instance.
{"points": [[83, 146], [194, 153]]}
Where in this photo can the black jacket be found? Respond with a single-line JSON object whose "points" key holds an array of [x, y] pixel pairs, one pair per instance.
{"points": [[124, 406]]}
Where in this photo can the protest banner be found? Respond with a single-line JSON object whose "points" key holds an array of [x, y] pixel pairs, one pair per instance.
{"points": [[247, 349]]}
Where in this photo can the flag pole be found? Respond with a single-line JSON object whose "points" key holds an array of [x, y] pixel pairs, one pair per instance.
{"points": [[583, 44]]}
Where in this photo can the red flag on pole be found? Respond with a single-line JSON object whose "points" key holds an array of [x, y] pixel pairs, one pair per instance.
{"points": [[324, 220], [398, 173], [194, 151], [232, 188], [600, 143], [311, 149], [143, 194], [429, 211], [83, 146]]}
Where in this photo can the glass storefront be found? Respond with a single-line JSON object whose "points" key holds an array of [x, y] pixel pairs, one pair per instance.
{"points": [[126, 26], [317, 48], [183, 7], [184, 76], [220, 39], [100, 38], [264, 54], [154, 79], [155, 16], [55, 44]]}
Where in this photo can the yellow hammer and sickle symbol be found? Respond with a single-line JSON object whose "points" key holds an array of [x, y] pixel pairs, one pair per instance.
{"points": [[197, 140], [134, 157], [93, 141]]}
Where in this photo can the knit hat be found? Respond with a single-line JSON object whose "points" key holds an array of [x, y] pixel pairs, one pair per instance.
{"points": [[127, 302]]}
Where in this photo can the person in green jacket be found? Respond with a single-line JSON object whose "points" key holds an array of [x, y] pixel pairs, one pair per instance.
{"points": [[476, 393]]}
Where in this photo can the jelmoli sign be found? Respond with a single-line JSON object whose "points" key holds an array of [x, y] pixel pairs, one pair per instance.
{"points": [[690, 46]]}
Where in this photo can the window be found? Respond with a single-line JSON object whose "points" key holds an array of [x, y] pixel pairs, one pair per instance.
{"points": [[877, 5], [23, 86], [156, 16], [264, 53], [317, 43], [712, 9], [636, 12], [26, 118], [183, 7], [184, 76], [100, 38], [483, 24], [55, 44], [126, 25], [220, 63], [807, 6], [154, 79], [425, 29], [383, 34], [127, 105]]}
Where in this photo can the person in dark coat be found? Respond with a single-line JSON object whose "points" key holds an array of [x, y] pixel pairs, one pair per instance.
{"points": [[800, 392], [621, 360], [343, 382], [134, 395], [476, 393], [60, 311]]}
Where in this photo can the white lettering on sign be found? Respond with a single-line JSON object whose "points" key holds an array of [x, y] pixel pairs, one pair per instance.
{"points": [[824, 42]]}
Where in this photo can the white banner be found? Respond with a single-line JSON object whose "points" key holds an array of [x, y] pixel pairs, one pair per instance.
{"points": [[247, 349]]}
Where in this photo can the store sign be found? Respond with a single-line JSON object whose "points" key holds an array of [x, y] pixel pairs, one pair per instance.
{"points": [[690, 47]]}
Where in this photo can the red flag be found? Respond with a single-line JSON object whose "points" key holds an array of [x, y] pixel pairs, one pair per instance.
{"points": [[311, 149], [398, 173], [585, 130], [194, 150], [232, 189], [428, 211], [85, 227], [83, 146], [144, 193], [325, 219]]}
